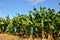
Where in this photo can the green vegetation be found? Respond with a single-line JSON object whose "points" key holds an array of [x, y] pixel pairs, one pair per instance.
{"points": [[43, 23]]}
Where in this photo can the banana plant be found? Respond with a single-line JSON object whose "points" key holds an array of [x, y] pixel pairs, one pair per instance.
{"points": [[36, 21], [25, 23], [58, 22], [8, 24], [51, 22], [2, 25], [39, 17], [15, 24], [42, 14]]}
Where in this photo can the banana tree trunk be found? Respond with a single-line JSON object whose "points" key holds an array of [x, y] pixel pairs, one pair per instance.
{"points": [[52, 37], [43, 36], [49, 35], [36, 32], [31, 37], [59, 33]]}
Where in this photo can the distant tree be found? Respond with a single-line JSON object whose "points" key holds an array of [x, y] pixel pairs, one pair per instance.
{"points": [[59, 4]]}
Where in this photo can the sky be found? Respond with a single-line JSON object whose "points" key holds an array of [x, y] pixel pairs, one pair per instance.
{"points": [[13, 7]]}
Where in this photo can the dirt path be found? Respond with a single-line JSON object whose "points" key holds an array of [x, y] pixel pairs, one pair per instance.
{"points": [[8, 37], [11, 37]]}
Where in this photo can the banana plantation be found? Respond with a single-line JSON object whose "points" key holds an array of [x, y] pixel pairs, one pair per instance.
{"points": [[43, 23]]}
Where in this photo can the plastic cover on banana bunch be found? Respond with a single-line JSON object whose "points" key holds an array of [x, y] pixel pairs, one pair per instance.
{"points": [[7, 29], [32, 30], [14, 29], [0, 30], [22, 30]]}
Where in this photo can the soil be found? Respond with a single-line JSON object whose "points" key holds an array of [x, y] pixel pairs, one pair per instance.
{"points": [[12, 37]]}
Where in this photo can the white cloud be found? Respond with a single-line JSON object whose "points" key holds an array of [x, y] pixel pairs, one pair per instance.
{"points": [[35, 1]]}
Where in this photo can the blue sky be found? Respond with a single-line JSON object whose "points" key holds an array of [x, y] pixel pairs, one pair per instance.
{"points": [[13, 7]]}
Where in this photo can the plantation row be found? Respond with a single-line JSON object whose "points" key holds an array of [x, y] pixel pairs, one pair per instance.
{"points": [[44, 23]]}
